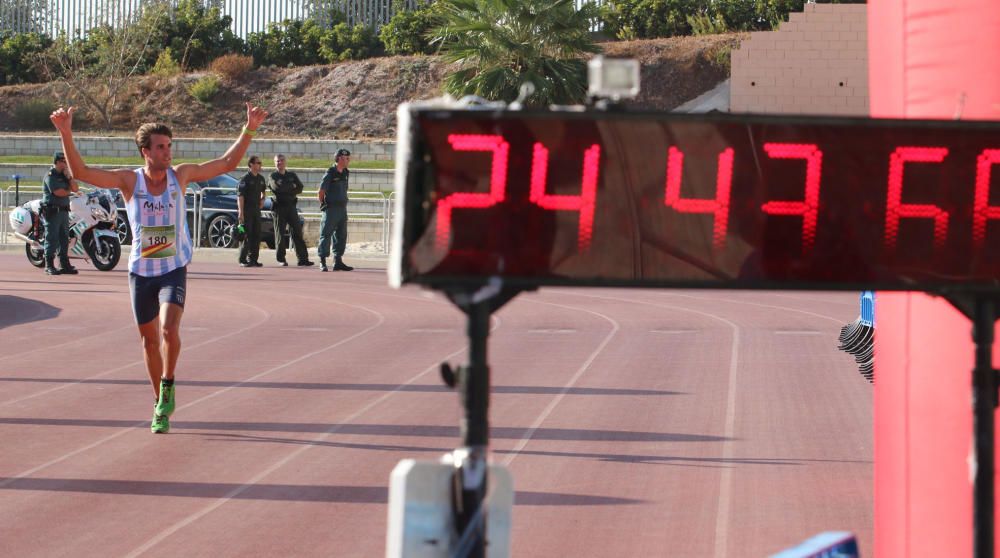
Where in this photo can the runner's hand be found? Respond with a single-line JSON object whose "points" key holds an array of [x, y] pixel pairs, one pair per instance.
{"points": [[62, 119], [255, 115]]}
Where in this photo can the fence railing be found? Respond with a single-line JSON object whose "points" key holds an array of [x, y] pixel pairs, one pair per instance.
{"points": [[76, 17], [364, 207]]}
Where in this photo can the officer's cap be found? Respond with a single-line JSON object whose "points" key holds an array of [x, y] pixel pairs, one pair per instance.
{"points": [[58, 156], [342, 153]]}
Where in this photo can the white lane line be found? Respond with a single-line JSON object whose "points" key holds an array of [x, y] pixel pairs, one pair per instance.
{"points": [[61, 348], [124, 431], [838, 321], [726, 474], [151, 543], [267, 316], [569, 385], [552, 331], [726, 480], [162, 535]]}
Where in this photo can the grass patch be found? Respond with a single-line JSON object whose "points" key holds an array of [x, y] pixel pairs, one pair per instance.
{"points": [[132, 162]]}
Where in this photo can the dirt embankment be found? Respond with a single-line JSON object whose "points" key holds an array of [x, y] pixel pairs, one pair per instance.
{"points": [[358, 99]]}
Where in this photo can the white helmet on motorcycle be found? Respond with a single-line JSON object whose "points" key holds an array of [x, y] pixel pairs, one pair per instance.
{"points": [[20, 220]]}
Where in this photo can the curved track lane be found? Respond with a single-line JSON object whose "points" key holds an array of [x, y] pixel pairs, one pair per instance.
{"points": [[664, 423]]}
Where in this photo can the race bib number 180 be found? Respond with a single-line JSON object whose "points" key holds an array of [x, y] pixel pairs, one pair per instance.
{"points": [[158, 242]]}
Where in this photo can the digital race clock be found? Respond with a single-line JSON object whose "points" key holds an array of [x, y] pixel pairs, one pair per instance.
{"points": [[716, 200]]}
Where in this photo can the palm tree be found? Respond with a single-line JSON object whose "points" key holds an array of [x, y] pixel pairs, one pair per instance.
{"points": [[501, 44]]}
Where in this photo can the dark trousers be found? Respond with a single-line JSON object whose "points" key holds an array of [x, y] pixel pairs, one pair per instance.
{"points": [[285, 215], [251, 245], [56, 236], [333, 226]]}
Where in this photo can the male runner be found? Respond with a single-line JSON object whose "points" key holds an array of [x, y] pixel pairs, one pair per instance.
{"points": [[161, 241]]}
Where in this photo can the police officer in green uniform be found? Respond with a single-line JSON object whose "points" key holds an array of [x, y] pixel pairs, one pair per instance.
{"points": [[250, 201], [333, 202], [56, 188], [286, 187]]}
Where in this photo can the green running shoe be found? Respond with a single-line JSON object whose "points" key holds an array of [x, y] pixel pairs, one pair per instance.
{"points": [[165, 406], [160, 425]]}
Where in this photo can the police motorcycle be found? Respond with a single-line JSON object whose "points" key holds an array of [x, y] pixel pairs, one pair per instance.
{"points": [[92, 233]]}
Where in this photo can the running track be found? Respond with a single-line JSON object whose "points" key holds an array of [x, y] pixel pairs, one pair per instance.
{"points": [[634, 422]]}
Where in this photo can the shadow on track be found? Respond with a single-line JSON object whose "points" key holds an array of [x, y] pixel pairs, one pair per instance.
{"points": [[17, 310], [276, 492]]}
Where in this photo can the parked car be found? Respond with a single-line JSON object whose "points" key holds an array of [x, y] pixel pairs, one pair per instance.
{"points": [[218, 216]]}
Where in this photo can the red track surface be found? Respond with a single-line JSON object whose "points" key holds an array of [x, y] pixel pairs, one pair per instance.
{"points": [[634, 422]]}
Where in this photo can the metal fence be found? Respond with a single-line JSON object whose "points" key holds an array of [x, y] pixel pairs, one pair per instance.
{"points": [[76, 17], [365, 208]]}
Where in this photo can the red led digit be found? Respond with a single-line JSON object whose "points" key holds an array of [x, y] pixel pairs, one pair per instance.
{"points": [[808, 208], [982, 210], [498, 181], [584, 203], [719, 206], [895, 209]]}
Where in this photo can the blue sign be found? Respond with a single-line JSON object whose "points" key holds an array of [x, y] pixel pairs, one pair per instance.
{"points": [[832, 544]]}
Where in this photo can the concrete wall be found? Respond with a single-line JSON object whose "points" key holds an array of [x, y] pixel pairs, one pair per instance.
{"points": [[362, 180], [374, 180], [364, 226], [815, 63], [204, 148]]}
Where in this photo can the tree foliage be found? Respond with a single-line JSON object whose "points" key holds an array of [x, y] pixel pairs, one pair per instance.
{"points": [[289, 43], [502, 44], [97, 69], [647, 19], [344, 42], [18, 55], [408, 32], [196, 32], [324, 38]]}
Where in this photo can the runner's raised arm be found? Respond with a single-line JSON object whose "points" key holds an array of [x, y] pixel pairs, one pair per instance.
{"points": [[122, 179], [193, 172]]}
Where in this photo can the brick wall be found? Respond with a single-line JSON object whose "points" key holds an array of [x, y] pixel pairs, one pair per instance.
{"points": [[815, 63]]}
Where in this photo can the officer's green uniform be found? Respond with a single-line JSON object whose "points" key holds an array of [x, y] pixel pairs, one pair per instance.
{"points": [[286, 188], [333, 224], [251, 187], [56, 216]]}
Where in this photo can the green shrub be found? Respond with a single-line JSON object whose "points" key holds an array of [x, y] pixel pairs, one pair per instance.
{"points": [[18, 54], [195, 30], [205, 89], [344, 42], [648, 19], [165, 64], [721, 57], [289, 43], [33, 114], [705, 24], [232, 66], [407, 32]]}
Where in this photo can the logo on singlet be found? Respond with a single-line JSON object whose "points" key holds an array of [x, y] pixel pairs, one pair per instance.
{"points": [[155, 208]]}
